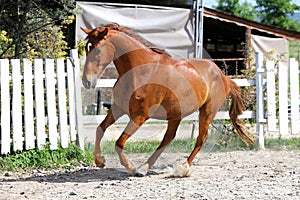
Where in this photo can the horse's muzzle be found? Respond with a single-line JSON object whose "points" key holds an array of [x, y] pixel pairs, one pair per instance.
{"points": [[87, 84]]}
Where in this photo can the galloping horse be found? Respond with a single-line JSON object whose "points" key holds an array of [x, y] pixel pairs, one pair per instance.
{"points": [[151, 84]]}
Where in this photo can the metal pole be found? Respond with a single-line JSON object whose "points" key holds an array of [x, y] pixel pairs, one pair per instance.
{"points": [[98, 102], [199, 11], [201, 30], [196, 8], [259, 101]]}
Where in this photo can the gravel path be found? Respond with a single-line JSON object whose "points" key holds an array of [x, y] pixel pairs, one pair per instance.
{"points": [[233, 175]]}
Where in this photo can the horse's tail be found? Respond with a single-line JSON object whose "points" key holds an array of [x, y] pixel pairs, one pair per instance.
{"points": [[236, 109]]}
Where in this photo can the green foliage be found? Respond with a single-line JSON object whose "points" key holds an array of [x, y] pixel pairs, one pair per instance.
{"points": [[228, 6], [81, 47], [47, 42], [46, 158], [271, 12], [249, 93], [276, 13], [5, 42], [30, 24], [294, 49], [245, 10]]}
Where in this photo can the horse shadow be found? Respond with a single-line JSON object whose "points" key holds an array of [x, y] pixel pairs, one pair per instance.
{"points": [[83, 175]]}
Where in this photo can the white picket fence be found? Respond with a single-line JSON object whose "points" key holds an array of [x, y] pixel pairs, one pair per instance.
{"points": [[41, 101], [288, 98], [48, 113]]}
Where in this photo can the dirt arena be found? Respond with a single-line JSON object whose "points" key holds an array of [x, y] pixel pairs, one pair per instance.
{"points": [[232, 175]]}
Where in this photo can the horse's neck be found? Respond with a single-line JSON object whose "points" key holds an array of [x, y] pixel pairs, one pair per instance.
{"points": [[130, 53]]}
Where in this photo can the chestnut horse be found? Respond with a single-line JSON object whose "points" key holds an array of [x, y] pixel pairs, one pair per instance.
{"points": [[151, 84]]}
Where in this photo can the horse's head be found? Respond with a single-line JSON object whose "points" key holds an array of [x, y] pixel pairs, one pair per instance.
{"points": [[99, 53]]}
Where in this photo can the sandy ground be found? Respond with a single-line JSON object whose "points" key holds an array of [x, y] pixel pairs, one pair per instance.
{"points": [[233, 175]]}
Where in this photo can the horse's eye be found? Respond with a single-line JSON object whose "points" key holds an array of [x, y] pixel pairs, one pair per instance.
{"points": [[97, 51]]}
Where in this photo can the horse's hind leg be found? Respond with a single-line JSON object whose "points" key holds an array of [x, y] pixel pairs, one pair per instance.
{"points": [[168, 137], [113, 114], [207, 113], [206, 116], [130, 129]]}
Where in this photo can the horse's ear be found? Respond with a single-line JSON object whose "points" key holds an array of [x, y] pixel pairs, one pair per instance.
{"points": [[102, 34], [87, 31]]}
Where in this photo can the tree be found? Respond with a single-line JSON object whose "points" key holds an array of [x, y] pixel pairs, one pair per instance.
{"points": [[228, 6], [245, 10], [24, 20], [277, 13]]}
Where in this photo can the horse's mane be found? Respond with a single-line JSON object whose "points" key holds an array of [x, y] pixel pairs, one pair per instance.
{"points": [[132, 34]]}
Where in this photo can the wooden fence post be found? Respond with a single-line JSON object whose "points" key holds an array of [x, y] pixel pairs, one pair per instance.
{"points": [[62, 108], [51, 103], [71, 96], [283, 99], [16, 105], [294, 88], [28, 105], [77, 79], [5, 106], [259, 101], [271, 99], [39, 103]]}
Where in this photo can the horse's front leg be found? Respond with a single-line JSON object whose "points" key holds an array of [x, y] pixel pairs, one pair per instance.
{"points": [[130, 129], [113, 114]]}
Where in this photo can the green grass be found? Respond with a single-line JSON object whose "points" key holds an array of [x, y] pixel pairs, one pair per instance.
{"points": [[180, 145], [283, 144], [213, 144], [45, 159], [73, 156]]}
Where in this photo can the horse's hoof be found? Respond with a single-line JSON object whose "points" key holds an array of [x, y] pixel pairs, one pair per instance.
{"points": [[182, 170], [100, 162], [142, 170], [130, 168]]}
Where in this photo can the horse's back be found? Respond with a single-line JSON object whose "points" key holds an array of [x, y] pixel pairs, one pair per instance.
{"points": [[217, 83], [206, 67], [192, 82]]}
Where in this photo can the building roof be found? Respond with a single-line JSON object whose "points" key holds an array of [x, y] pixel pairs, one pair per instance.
{"points": [[253, 25]]}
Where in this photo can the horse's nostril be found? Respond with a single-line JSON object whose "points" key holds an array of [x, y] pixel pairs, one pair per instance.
{"points": [[88, 84]]}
